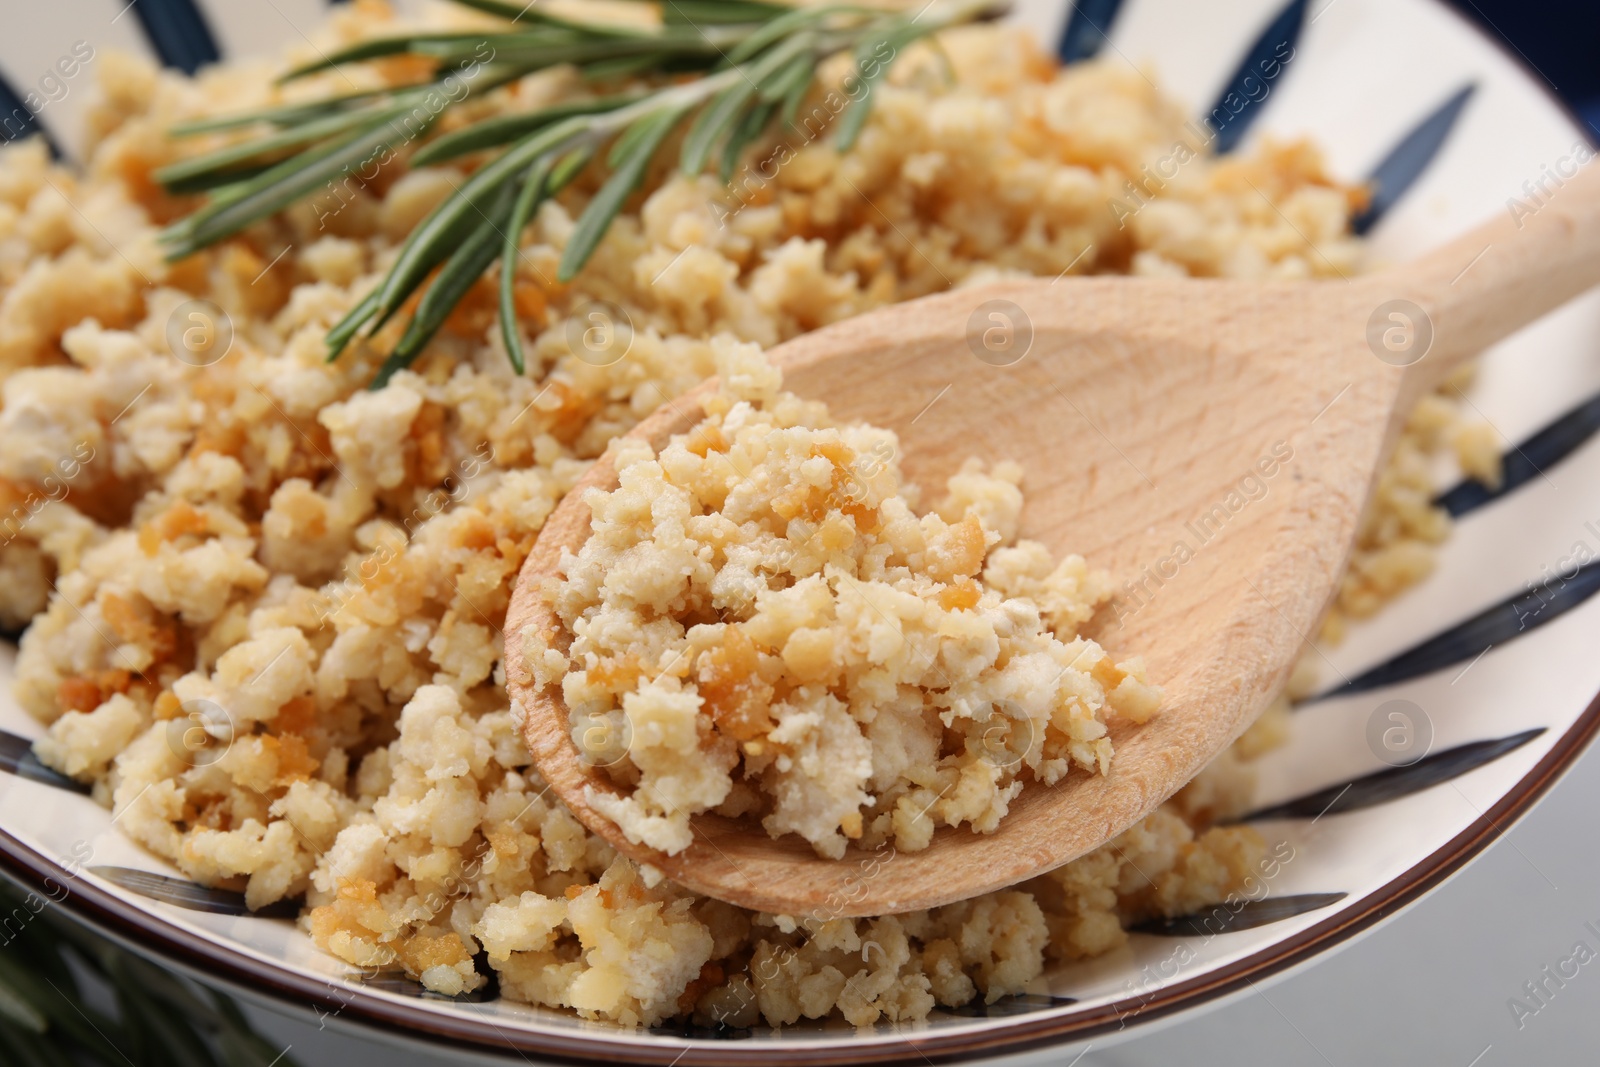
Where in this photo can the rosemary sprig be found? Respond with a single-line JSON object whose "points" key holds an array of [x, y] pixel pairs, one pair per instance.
{"points": [[751, 64]]}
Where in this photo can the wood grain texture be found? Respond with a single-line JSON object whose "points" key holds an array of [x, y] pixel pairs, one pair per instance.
{"points": [[1142, 414]]}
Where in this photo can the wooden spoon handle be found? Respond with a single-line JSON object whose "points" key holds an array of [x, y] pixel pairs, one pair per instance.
{"points": [[1535, 256]]}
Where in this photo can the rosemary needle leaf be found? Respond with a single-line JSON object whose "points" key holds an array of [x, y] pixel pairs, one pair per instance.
{"points": [[529, 12], [621, 67], [264, 182], [629, 139], [799, 69], [287, 115], [390, 301], [692, 52], [755, 120], [700, 12], [526, 51], [643, 138], [224, 159], [560, 174], [776, 30], [215, 181], [855, 117], [569, 167], [503, 129], [713, 121], [447, 225], [793, 97], [872, 65], [281, 186], [533, 191], [431, 242], [377, 48], [459, 273], [753, 59], [720, 117], [346, 328], [874, 56]]}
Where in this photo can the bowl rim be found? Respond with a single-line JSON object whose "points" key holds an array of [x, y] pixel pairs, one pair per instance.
{"points": [[141, 930], [268, 982]]}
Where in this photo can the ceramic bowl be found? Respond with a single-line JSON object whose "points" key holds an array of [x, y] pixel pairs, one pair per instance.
{"points": [[1447, 717]]}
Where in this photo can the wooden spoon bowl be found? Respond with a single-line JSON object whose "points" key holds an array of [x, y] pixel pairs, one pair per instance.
{"points": [[1211, 443]]}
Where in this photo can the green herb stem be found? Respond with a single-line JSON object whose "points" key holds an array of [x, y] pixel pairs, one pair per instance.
{"points": [[754, 63]]}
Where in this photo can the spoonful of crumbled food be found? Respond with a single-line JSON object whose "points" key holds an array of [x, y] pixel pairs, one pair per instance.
{"points": [[938, 598]]}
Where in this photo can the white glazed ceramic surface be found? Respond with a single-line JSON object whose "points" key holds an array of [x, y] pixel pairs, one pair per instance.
{"points": [[1365, 72]]}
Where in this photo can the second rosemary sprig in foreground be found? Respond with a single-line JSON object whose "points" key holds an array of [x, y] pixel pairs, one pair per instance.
{"points": [[756, 62]]}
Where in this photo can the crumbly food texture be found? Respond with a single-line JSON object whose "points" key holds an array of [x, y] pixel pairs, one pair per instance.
{"points": [[761, 624], [309, 579]]}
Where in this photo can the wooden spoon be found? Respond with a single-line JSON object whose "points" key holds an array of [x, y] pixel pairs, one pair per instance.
{"points": [[1212, 443]]}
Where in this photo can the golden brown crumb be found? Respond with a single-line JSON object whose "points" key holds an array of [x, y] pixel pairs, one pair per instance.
{"points": [[318, 562]]}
